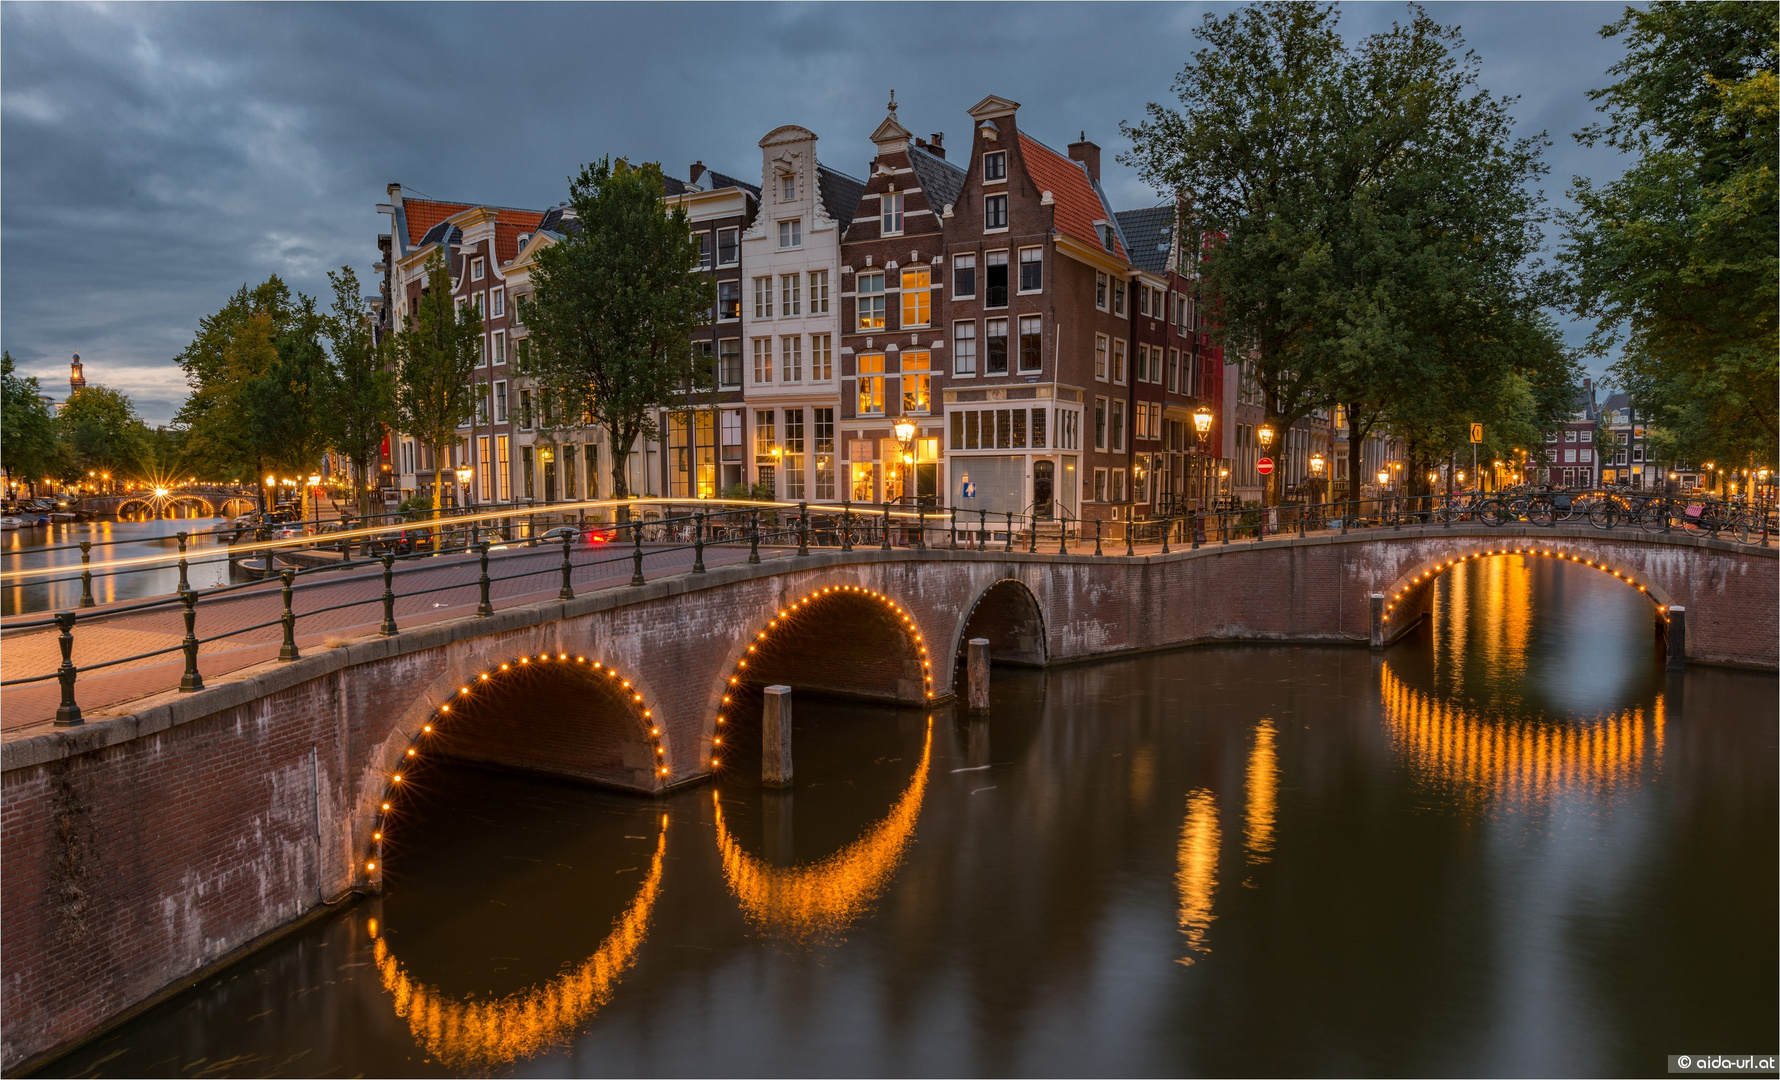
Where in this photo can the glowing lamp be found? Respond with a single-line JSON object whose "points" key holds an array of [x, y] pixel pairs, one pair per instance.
{"points": [[1316, 464], [905, 431], [1202, 421], [1265, 434]]}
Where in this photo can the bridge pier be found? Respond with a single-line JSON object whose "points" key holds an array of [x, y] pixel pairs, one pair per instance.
{"points": [[1377, 609], [1675, 638], [976, 666], [775, 737]]}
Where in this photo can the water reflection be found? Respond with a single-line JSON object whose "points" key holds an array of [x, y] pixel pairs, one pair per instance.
{"points": [[35, 548], [1263, 793], [816, 903], [467, 1034], [1196, 877], [1476, 758]]}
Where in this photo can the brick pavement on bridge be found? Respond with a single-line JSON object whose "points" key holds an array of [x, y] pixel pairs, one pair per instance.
{"points": [[100, 636]]}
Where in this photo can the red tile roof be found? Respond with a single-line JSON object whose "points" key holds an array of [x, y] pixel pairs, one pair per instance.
{"points": [[506, 237], [423, 214], [1078, 206]]}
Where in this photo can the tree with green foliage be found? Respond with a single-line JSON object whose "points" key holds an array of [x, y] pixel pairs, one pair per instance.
{"points": [[233, 350], [362, 407], [614, 306], [103, 432], [288, 408], [1675, 261], [1367, 214], [437, 351], [31, 449]]}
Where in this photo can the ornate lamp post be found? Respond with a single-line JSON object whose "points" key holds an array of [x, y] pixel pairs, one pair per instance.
{"points": [[464, 473], [1317, 464], [1202, 419], [905, 435]]}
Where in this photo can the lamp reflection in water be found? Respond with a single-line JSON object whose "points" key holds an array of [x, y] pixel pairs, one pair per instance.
{"points": [[1263, 792], [1478, 759], [1196, 876], [818, 902], [474, 1035]]}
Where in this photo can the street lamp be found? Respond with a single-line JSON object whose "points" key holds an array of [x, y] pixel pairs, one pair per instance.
{"points": [[464, 473], [905, 434]]}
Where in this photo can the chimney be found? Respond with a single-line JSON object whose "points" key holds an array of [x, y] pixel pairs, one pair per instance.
{"points": [[697, 170], [936, 143], [1088, 154]]}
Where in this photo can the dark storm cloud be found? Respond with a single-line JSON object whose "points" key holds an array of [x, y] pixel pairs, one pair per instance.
{"points": [[157, 157]]}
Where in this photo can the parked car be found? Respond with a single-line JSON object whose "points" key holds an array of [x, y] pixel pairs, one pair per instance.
{"points": [[406, 542]]}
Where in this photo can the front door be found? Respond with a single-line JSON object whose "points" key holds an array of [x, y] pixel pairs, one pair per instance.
{"points": [[1044, 486]]}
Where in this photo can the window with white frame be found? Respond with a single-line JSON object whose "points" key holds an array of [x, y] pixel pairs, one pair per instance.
{"points": [[500, 401], [995, 212], [1100, 423], [890, 213], [480, 302], [964, 348], [1099, 485], [707, 249], [964, 277], [1119, 298], [1117, 492], [821, 357], [871, 384], [763, 360], [729, 246], [1031, 344], [497, 301], [763, 297], [787, 187], [791, 358], [995, 165], [1101, 346], [995, 339], [917, 383], [1118, 361], [791, 233], [995, 279], [917, 302], [818, 292], [1100, 291], [475, 269], [869, 301], [790, 294], [1032, 269], [497, 354], [1117, 425], [729, 362]]}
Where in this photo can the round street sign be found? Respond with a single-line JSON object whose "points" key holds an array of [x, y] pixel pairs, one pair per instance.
{"points": [[1264, 466]]}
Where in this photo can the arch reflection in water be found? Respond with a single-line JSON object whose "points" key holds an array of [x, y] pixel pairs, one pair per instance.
{"points": [[1477, 758], [1263, 794], [818, 902], [468, 1034], [1196, 877]]}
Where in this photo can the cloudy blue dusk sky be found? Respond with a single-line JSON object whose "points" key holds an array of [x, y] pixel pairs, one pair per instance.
{"points": [[155, 157]]}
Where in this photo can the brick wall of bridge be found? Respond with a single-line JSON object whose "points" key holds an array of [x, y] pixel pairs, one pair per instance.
{"points": [[146, 845]]}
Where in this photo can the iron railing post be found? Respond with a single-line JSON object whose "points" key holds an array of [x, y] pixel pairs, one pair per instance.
{"points": [[982, 528], [484, 606], [698, 542], [1032, 535], [636, 535], [920, 526], [885, 546], [86, 573], [1193, 525], [1344, 513], [803, 528], [847, 524], [1009, 545], [184, 583], [1302, 507], [67, 713], [754, 534], [567, 592], [1168, 527], [1224, 529], [191, 680], [288, 651], [1062, 532], [1097, 536], [1130, 527], [389, 594], [954, 510]]}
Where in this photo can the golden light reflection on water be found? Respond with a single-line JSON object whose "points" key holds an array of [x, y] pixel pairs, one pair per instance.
{"points": [[1263, 794], [468, 1034], [1507, 597], [1519, 763], [818, 902], [1196, 876]]}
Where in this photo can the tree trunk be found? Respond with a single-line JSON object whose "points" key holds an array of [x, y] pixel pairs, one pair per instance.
{"points": [[1356, 445], [438, 481]]}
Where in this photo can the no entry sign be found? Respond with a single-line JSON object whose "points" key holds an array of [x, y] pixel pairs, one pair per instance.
{"points": [[1264, 466]]}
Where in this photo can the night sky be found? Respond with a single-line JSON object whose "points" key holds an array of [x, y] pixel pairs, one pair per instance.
{"points": [[157, 157]]}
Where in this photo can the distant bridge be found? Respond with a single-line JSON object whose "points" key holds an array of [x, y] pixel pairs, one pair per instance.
{"points": [[170, 830]]}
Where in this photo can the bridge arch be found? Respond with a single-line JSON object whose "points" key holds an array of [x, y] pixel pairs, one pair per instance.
{"points": [[154, 506], [550, 711], [842, 640], [1010, 616], [1408, 597]]}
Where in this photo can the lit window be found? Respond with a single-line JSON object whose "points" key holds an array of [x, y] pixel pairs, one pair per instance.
{"points": [[871, 385], [916, 300], [916, 383], [870, 302]]}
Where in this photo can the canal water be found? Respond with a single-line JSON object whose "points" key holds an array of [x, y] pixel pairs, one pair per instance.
{"points": [[1512, 845], [113, 541]]}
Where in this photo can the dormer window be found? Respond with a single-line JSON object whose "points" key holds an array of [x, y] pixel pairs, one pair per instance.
{"points": [[787, 187], [995, 165], [1106, 236], [523, 237]]}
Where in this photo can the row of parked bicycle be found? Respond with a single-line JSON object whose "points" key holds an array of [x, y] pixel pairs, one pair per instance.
{"points": [[1610, 510]]}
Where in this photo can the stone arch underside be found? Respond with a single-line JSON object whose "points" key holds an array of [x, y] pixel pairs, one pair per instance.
{"points": [[847, 642], [1009, 616]]}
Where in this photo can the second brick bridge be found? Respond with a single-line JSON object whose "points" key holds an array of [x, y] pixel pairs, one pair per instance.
{"points": [[141, 848]]}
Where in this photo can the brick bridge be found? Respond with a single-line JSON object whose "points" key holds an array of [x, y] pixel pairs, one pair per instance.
{"points": [[153, 844]]}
